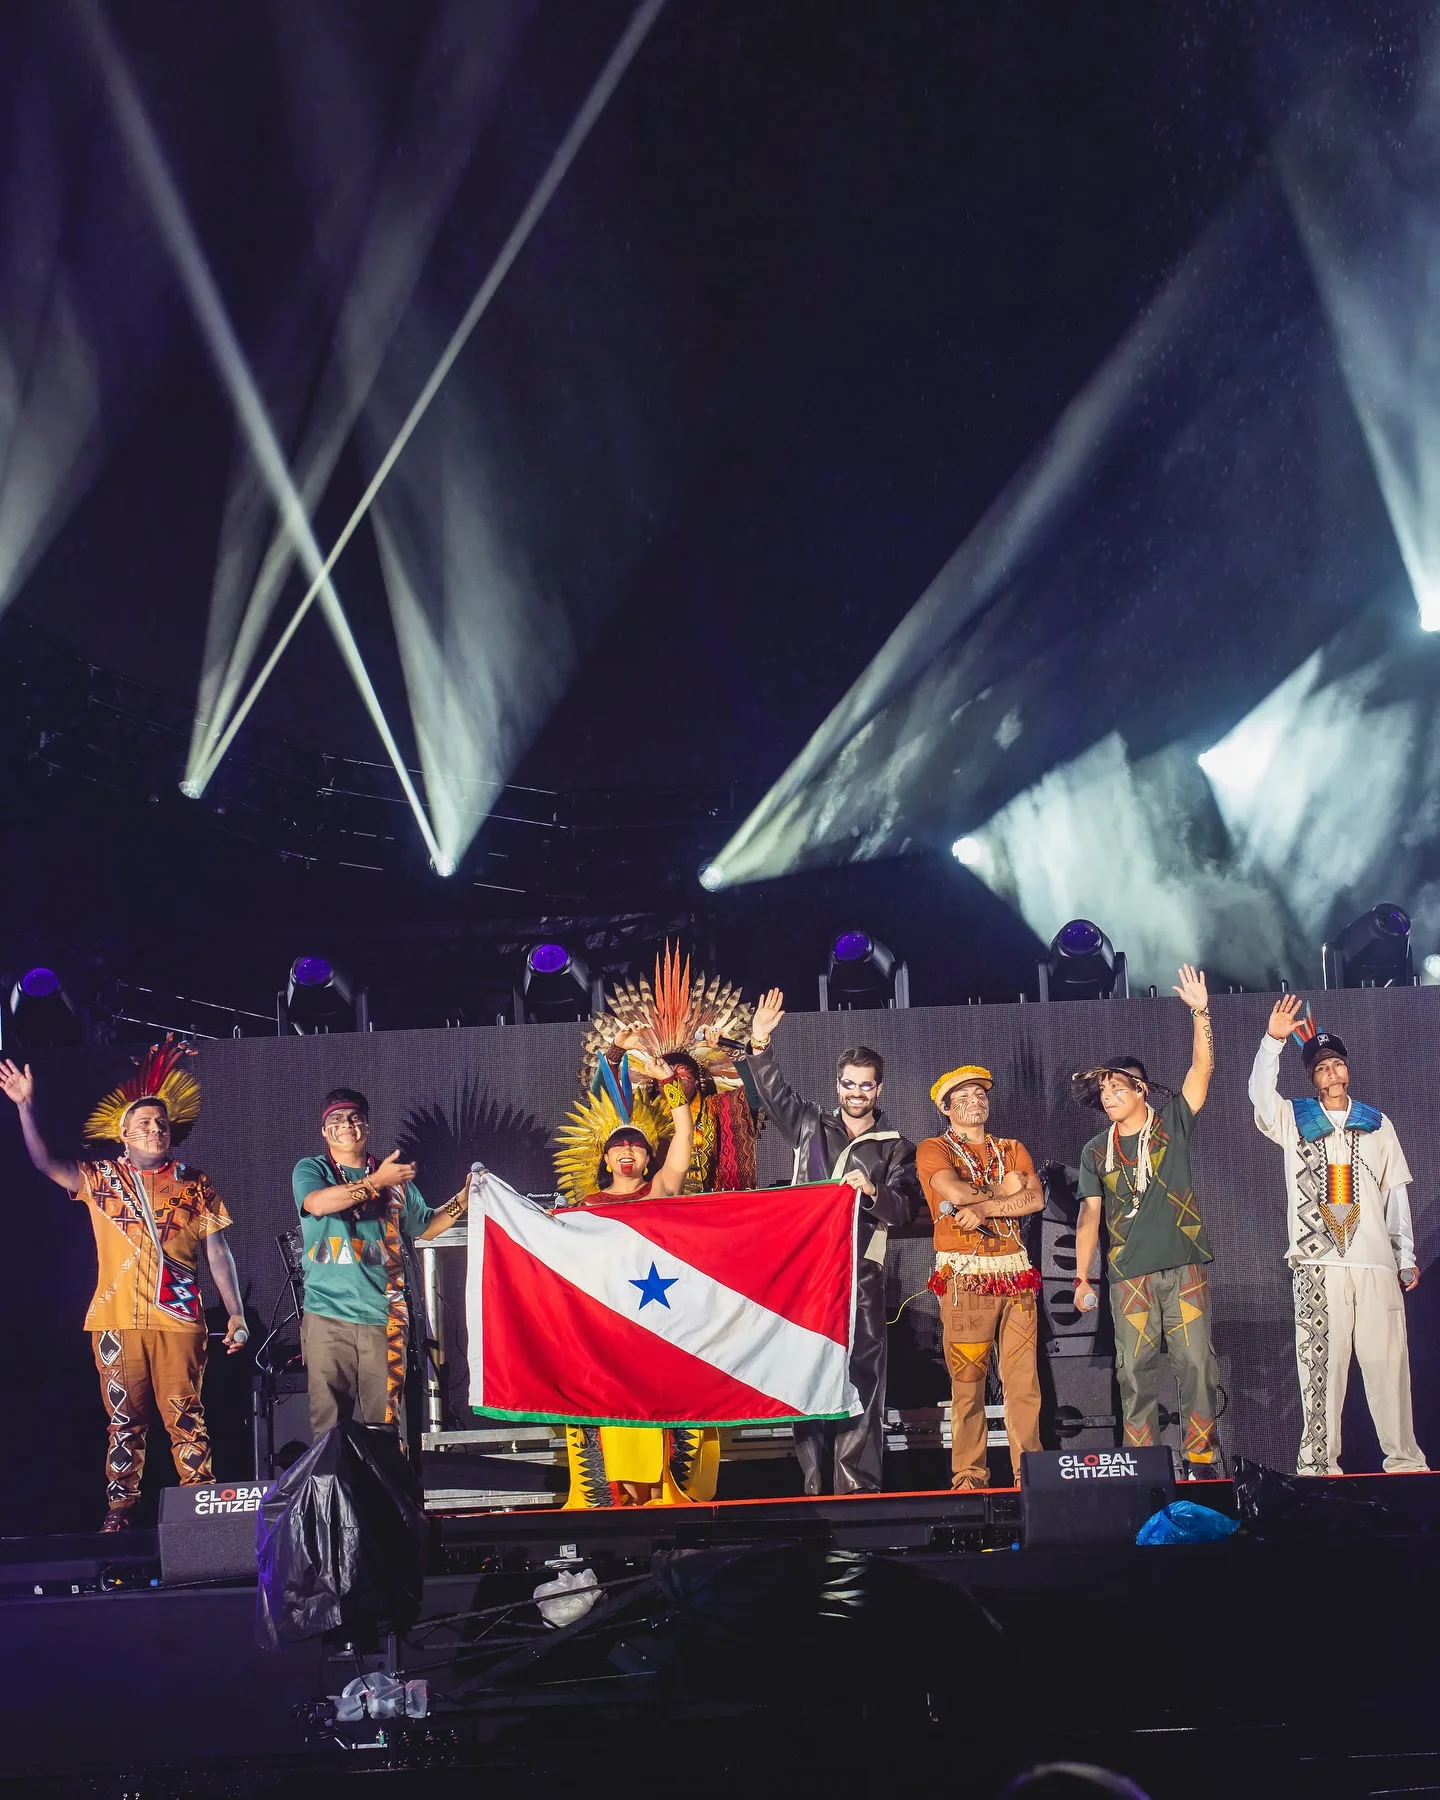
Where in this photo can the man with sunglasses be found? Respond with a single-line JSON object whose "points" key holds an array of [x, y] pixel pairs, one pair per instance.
{"points": [[854, 1142], [353, 1213]]}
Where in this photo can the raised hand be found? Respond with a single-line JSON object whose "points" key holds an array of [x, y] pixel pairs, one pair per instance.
{"points": [[1284, 1016], [1191, 988], [392, 1172], [769, 1011], [650, 1068], [17, 1084]]}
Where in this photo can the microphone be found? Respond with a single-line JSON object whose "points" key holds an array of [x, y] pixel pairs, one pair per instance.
{"points": [[477, 1168], [948, 1209]]}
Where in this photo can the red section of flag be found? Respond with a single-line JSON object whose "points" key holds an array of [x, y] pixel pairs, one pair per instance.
{"points": [[550, 1349], [789, 1249]]}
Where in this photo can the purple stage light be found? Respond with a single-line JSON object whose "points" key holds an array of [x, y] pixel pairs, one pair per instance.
{"points": [[39, 984], [851, 946], [1390, 919], [1079, 938], [311, 971], [549, 959]]}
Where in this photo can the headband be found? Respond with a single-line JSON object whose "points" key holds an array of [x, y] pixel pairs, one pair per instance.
{"points": [[343, 1106]]}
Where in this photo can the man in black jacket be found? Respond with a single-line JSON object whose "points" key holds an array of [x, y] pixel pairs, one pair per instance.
{"points": [[853, 1143]]}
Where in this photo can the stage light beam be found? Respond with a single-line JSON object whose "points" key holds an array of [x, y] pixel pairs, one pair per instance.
{"points": [[451, 91], [594, 105], [153, 172]]}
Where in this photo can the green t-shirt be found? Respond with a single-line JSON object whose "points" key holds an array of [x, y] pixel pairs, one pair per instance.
{"points": [[344, 1252], [1164, 1230]]}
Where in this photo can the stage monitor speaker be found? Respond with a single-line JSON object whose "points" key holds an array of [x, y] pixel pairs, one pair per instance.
{"points": [[208, 1533], [282, 1422], [1070, 1497]]}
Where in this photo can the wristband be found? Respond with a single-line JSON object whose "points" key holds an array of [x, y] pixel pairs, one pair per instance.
{"points": [[674, 1095], [757, 1044]]}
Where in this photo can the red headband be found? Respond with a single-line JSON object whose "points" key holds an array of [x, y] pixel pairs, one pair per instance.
{"points": [[342, 1106]]}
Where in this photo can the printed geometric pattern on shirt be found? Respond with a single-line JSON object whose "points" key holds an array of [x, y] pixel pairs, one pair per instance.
{"points": [[1312, 1237], [1312, 1354], [1187, 1213], [1194, 1304]]}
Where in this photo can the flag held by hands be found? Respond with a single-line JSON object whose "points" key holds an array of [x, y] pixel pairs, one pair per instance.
{"points": [[707, 1309]]}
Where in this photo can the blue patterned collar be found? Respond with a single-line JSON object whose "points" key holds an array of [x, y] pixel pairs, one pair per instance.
{"points": [[1313, 1122]]}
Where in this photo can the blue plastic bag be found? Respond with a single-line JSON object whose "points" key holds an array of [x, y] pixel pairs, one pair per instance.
{"points": [[1183, 1522]]}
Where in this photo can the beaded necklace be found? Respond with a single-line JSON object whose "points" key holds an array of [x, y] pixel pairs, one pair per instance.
{"points": [[984, 1170]]}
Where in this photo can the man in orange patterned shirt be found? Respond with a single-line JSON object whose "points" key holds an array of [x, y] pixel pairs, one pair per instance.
{"points": [[151, 1215], [978, 1188]]}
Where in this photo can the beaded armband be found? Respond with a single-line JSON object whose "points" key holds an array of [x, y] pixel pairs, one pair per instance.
{"points": [[674, 1095]]}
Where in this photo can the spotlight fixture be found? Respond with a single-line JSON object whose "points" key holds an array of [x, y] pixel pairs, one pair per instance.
{"points": [[863, 973], [1082, 964], [319, 997], [1372, 951], [38, 1013], [711, 876], [556, 986]]}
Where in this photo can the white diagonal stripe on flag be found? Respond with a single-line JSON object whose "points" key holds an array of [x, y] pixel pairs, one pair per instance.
{"points": [[604, 1258]]}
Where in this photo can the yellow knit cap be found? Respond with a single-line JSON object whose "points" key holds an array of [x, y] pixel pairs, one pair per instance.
{"points": [[969, 1072]]}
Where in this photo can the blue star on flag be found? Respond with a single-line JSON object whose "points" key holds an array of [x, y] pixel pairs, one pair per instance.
{"points": [[653, 1287]]}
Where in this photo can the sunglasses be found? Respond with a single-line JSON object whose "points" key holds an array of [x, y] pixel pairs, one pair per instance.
{"points": [[857, 1087]]}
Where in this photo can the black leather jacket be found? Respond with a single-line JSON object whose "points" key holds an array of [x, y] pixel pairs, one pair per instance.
{"points": [[824, 1149]]}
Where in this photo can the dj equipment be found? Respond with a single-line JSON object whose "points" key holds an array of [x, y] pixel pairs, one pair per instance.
{"points": [[1070, 1497], [208, 1533]]}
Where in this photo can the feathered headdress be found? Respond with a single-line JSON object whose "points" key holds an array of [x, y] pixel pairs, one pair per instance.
{"points": [[670, 1017], [581, 1140], [1304, 1028], [159, 1075]]}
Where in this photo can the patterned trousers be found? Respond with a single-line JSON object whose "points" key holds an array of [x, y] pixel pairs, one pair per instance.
{"points": [[972, 1325], [1170, 1307], [1338, 1309], [143, 1372]]}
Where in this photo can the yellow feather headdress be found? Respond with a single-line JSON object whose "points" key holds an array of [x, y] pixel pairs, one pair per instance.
{"points": [[159, 1075], [581, 1139]]}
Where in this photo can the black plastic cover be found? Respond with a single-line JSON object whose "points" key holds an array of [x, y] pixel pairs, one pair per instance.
{"points": [[341, 1540]]}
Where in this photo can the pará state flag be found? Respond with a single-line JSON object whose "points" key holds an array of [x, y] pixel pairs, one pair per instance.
{"points": [[708, 1309]]}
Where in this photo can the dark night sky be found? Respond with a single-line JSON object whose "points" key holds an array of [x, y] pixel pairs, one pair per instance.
{"points": [[853, 260], [821, 280]]}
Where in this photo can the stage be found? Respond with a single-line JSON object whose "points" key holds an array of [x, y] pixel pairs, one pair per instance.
{"points": [[784, 1643]]}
